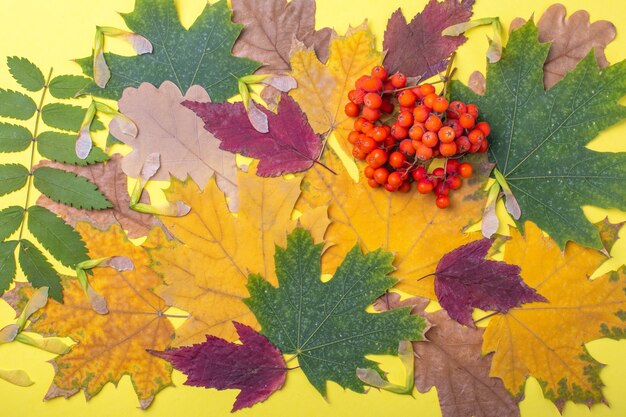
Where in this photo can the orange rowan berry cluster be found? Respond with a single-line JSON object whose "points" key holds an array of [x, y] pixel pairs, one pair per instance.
{"points": [[400, 130]]}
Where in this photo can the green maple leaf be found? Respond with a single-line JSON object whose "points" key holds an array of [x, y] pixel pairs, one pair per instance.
{"points": [[200, 55], [539, 137], [325, 323]]}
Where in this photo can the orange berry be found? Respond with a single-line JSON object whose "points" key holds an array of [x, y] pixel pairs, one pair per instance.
{"points": [[390, 188], [454, 182], [359, 84], [456, 126], [430, 139], [467, 120], [389, 142], [371, 114], [386, 106], [373, 100], [399, 132], [358, 124], [424, 186], [466, 170], [484, 145], [463, 144], [372, 183], [353, 137], [397, 159], [366, 126], [398, 80], [426, 89], [366, 144], [447, 149], [446, 134], [405, 187], [424, 152], [358, 153], [442, 201], [440, 104], [420, 114], [416, 132], [405, 119], [379, 72], [381, 175], [395, 179], [406, 98], [476, 136], [369, 171], [473, 110], [419, 174], [352, 110], [377, 158], [372, 84], [433, 123], [406, 147], [484, 127], [456, 109], [356, 96], [379, 133], [429, 100]]}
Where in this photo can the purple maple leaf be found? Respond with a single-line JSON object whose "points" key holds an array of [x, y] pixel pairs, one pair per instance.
{"points": [[289, 146], [464, 279], [255, 367], [418, 49]]}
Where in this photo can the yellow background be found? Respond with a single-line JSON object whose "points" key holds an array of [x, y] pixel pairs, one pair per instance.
{"points": [[52, 32]]}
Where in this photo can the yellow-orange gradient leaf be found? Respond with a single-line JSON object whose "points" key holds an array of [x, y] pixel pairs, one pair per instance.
{"points": [[112, 345], [546, 340], [323, 89], [409, 225], [206, 268]]}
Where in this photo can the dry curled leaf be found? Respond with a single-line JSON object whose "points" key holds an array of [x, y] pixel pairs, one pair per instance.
{"points": [[111, 180], [546, 340], [571, 40], [206, 269], [112, 345], [172, 130], [323, 88], [269, 28], [409, 225], [451, 361]]}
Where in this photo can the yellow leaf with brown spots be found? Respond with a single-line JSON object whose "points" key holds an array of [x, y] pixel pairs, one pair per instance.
{"points": [[409, 225], [546, 340], [112, 345], [322, 91], [206, 268]]}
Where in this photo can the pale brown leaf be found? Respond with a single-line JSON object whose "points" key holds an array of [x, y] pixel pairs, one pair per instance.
{"points": [[111, 180], [477, 82], [270, 26], [177, 134]]}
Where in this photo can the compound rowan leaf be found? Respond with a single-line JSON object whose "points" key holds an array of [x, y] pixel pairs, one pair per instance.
{"points": [[450, 360], [184, 146], [255, 366], [16, 105], [67, 188], [465, 279], [61, 147], [112, 345], [570, 40], [111, 181], [325, 323], [539, 136], [323, 88], [198, 56], [289, 146], [206, 267], [269, 30], [545, 340], [410, 226], [418, 49], [14, 138]]}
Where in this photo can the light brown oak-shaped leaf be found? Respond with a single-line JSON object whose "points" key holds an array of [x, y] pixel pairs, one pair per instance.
{"points": [[112, 345], [168, 128], [407, 224], [322, 91], [270, 27], [572, 39], [111, 180], [546, 340], [451, 361], [206, 267]]}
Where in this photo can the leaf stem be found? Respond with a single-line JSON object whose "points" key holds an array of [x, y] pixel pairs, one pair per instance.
{"points": [[29, 181], [485, 317], [432, 274], [324, 142]]}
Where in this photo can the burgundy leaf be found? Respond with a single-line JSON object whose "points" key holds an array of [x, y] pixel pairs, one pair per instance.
{"points": [[255, 367], [465, 279], [418, 48], [289, 146]]}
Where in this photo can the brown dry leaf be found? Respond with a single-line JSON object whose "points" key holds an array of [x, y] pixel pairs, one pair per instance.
{"points": [[206, 270], [112, 345], [477, 82], [269, 28], [323, 88], [451, 361], [546, 340], [409, 225], [177, 134], [111, 180], [572, 39]]}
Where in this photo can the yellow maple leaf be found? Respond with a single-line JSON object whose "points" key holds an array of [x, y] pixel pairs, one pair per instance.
{"points": [[112, 345], [409, 225], [545, 340], [206, 270], [323, 88]]}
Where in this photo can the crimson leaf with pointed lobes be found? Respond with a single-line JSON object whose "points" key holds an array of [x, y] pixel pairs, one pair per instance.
{"points": [[289, 146], [465, 279], [325, 323], [255, 367]]}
